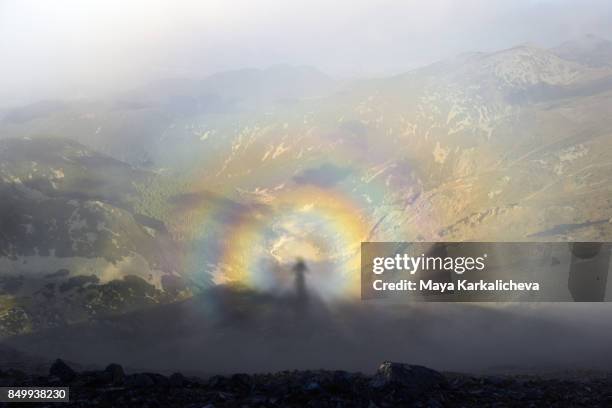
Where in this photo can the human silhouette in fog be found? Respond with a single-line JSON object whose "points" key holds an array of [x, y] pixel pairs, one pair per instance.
{"points": [[301, 293]]}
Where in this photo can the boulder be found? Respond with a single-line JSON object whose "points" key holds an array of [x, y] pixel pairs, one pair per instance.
{"points": [[177, 380], [159, 380], [115, 373], [408, 379], [241, 381], [62, 371], [139, 381]]}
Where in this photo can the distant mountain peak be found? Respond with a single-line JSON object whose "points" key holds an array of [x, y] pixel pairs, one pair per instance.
{"points": [[529, 64], [589, 50], [586, 41]]}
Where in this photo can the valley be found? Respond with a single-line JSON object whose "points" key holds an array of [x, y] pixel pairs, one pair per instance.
{"points": [[160, 194]]}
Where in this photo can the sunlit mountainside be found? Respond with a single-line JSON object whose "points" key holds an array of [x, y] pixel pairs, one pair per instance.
{"points": [[149, 197]]}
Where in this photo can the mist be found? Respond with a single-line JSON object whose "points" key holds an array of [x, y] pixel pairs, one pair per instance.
{"points": [[164, 164], [226, 331], [70, 49]]}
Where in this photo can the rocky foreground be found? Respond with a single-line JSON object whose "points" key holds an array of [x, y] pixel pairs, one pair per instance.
{"points": [[393, 385]]}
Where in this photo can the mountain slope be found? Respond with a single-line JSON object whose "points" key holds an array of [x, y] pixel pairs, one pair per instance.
{"points": [[513, 145], [67, 226], [589, 50], [131, 126]]}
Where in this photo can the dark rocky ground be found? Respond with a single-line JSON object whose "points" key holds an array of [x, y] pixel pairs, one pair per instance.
{"points": [[393, 385]]}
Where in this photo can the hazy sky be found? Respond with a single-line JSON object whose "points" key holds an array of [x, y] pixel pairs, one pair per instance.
{"points": [[71, 48]]}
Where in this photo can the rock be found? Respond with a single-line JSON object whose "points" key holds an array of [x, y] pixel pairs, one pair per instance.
{"points": [[218, 382], [62, 371], [159, 380], [410, 379], [496, 381], [17, 377], [177, 380], [433, 403], [241, 381], [393, 385], [312, 387], [115, 373], [92, 379], [139, 381]]}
